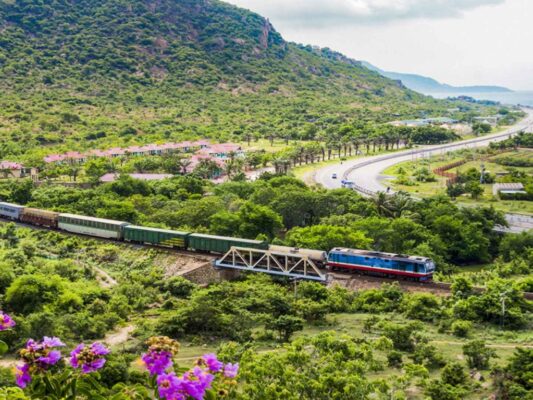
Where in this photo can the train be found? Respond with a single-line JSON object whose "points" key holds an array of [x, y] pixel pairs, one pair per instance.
{"points": [[398, 266]]}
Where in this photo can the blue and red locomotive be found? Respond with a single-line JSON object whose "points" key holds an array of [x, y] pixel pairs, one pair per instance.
{"points": [[382, 264]]}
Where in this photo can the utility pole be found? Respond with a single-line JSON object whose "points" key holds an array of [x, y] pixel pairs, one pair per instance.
{"points": [[502, 300]]}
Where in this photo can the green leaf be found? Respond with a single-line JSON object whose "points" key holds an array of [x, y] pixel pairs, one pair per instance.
{"points": [[3, 347]]}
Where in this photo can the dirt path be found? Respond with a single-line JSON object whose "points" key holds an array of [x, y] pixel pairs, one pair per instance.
{"points": [[496, 346], [8, 362], [105, 280], [120, 336]]}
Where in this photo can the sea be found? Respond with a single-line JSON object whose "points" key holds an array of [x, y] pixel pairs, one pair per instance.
{"points": [[524, 98]]}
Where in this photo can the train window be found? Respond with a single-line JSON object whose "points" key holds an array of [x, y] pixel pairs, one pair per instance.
{"points": [[367, 258]]}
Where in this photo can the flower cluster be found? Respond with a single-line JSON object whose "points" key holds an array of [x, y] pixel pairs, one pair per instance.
{"points": [[88, 358], [210, 375], [6, 322], [194, 383], [37, 357], [160, 353]]}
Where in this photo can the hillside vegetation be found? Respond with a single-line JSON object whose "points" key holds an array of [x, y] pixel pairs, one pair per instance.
{"points": [[99, 73]]}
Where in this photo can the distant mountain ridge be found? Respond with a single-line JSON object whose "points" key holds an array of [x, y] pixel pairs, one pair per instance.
{"points": [[426, 85]]}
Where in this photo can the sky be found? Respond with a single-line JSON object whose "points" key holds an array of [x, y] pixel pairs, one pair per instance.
{"points": [[459, 42]]}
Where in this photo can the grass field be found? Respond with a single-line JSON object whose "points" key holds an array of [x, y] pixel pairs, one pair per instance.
{"points": [[425, 189]]}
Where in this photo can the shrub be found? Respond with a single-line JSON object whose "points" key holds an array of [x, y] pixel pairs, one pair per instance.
{"points": [[454, 374], [422, 306], [428, 356], [401, 335], [394, 359], [437, 390], [461, 328], [29, 293], [178, 286], [285, 325], [477, 354]]}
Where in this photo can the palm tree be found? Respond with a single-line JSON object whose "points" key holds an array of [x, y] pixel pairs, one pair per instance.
{"points": [[401, 204], [73, 173], [382, 203], [206, 168]]}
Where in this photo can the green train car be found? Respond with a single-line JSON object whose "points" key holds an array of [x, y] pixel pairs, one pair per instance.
{"points": [[155, 236], [221, 244]]}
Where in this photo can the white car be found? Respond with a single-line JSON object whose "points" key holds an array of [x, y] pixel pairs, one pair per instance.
{"points": [[334, 176]]}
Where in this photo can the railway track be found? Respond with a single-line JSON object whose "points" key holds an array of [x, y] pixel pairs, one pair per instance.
{"points": [[349, 280]]}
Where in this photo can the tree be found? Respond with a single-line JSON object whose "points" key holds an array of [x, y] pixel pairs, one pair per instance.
{"points": [[437, 390], [480, 128], [29, 293], [454, 190], [461, 328], [454, 374], [326, 237], [462, 288], [207, 169], [285, 325], [9, 235], [422, 306], [256, 219], [95, 168], [474, 188], [477, 354], [122, 210]]}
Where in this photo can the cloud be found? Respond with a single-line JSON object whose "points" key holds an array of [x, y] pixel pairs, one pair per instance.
{"points": [[333, 12]]}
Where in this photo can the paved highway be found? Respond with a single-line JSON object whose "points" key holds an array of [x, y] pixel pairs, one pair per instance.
{"points": [[366, 172]]}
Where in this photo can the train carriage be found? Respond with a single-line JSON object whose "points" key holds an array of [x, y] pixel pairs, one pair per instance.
{"points": [[155, 236], [11, 211], [319, 257], [222, 244], [98, 227], [383, 264], [36, 216]]}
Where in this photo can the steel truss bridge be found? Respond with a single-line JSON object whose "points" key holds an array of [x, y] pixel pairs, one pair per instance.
{"points": [[291, 265]]}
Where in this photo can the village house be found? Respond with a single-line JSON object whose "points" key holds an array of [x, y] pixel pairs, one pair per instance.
{"points": [[10, 169]]}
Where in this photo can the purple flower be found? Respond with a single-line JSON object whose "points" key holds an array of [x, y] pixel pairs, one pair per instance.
{"points": [[88, 358], [51, 358], [231, 370], [52, 342], [160, 352], [37, 357], [169, 387], [32, 345], [196, 383], [6, 322], [212, 362], [22, 375], [157, 362]]}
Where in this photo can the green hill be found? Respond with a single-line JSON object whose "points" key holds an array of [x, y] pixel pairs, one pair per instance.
{"points": [[96, 73]]}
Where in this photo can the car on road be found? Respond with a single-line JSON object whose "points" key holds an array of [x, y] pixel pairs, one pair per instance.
{"points": [[347, 184], [334, 176]]}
